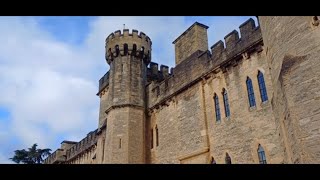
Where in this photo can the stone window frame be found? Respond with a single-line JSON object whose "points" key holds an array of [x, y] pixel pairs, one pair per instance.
{"points": [[250, 93], [217, 107], [262, 87], [261, 155], [226, 103]]}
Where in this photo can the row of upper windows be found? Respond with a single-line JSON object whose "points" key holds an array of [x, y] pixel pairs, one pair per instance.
{"points": [[260, 152], [252, 102]]}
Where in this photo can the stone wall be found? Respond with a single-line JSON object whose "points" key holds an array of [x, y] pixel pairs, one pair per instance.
{"points": [[183, 111], [293, 49], [84, 152], [240, 134], [181, 127], [188, 129]]}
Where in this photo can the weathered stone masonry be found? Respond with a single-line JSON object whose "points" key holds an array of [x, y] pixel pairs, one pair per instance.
{"points": [[177, 106]]}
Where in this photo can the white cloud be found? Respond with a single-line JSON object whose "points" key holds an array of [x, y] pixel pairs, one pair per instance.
{"points": [[5, 160], [46, 85], [49, 86]]}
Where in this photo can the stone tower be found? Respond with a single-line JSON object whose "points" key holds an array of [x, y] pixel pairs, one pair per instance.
{"points": [[122, 111], [292, 46]]}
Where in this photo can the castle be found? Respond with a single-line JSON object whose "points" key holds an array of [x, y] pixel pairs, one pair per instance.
{"points": [[254, 98]]}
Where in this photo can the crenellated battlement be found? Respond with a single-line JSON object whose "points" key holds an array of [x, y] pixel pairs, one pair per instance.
{"points": [[103, 82], [87, 142], [162, 81], [124, 44], [192, 69], [62, 155], [154, 74], [233, 43]]}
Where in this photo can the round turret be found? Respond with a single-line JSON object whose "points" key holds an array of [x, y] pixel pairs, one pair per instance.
{"points": [[128, 44]]}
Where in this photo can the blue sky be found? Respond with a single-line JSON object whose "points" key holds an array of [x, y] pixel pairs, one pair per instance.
{"points": [[50, 67]]}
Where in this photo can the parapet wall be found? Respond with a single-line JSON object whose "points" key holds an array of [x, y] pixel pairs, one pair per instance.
{"points": [[192, 69], [126, 43], [153, 74], [56, 157], [103, 82], [64, 155], [83, 145], [250, 34]]}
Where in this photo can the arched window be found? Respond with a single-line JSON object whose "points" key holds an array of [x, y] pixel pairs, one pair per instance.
{"points": [[252, 101], [217, 108], [125, 49], [261, 155], [262, 87], [134, 50], [226, 102], [117, 50], [227, 159]]}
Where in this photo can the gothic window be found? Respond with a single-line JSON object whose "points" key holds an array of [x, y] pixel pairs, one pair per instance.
{"points": [[228, 159], [262, 87], [217, 108], [252, 101], [261, 155], [226, 102]]}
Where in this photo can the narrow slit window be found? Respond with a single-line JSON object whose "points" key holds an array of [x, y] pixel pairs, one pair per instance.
{"points": [[157, 136]]}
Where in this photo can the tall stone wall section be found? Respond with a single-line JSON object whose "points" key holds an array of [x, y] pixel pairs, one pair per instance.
{"points": [[182, 108], [293, 49]]}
